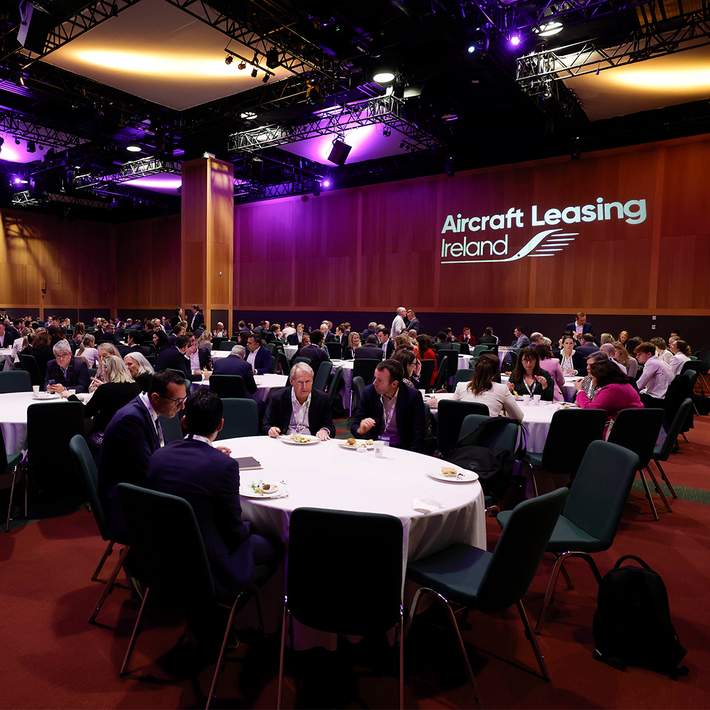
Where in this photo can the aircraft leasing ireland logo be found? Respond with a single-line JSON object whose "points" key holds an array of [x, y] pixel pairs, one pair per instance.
{"points": [[546, 243]]}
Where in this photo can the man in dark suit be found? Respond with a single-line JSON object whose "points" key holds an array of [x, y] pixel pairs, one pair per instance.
{"points": [[579, 327], [174, 357], [411, 321], [65, 371], [299, 409], [197, 322], [488, 338], [314, 352], [385, 342], [297, 337], [208, 479], [234, 364], [588, 346], [370, 330], [370, 350], [132, 435], [391, 410], [259, 358]]}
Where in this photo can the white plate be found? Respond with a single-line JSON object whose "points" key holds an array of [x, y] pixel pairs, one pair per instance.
{"points": [[247, 491], [462, 477], [45, 395], [288, 440], [359, 444]]}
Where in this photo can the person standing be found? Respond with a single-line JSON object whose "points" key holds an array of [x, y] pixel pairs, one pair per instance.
{"points": [[398, 325]]}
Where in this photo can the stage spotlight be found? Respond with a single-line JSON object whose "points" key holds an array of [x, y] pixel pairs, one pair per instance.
{"points": [[266, 78], [383, 75], [386, 131], [17, 141], [31, 147], [242, 65], [326, 183], [228, 59], [339, 152], [549, 29], [133, 148], [254, 73], [515, 40], [2, 140], [272, 58], [479, 41]]}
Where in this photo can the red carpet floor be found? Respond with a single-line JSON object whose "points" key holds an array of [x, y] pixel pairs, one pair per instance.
{"points": [[52, 658]]}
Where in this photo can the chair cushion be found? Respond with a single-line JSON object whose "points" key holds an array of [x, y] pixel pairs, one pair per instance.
{"points": [[534, 459], [13, 460], [456, 572], [565, 537]]}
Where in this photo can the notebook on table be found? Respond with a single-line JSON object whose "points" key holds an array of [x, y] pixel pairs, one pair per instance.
{"points": [[248, 463]]}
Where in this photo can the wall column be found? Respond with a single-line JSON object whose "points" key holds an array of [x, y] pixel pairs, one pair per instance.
{"points": [[207, 239]]}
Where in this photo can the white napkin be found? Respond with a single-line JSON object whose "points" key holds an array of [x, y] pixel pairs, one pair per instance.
{"points": [[426, 505]]}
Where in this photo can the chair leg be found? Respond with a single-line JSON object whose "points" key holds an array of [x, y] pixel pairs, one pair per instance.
{"points": [[220, 658], [568, 579], [592, 564], [649, 498], [27, 490], [9, 504], [550, 590], [134, 634], [106, 554], [665, 478], [401, 658], [659, 490], [533, 640], [685, 438], [110, 584], [533, 480], [282, 652]]}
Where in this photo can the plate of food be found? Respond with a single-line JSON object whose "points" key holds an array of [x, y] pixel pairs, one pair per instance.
{"points": [[261, 489], [45, 395], [453, 474], [353, 444], [299, 439]]}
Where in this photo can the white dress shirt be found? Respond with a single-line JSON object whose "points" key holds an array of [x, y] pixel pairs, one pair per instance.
{"points": [[143, 396], [251, 359], [299, 416], [398, 326], [655, 378], [665, 355], [676, 364]]}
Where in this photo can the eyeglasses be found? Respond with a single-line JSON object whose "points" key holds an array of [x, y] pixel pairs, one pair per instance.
{"points": [[177, 400]]}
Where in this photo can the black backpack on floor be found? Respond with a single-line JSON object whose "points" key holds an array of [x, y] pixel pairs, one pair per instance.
{"points": [[632, 623]]}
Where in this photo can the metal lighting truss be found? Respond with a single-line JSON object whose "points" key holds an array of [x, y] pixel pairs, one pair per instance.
{"points": [[24, 199], [535, 72], [384, 110], [91, 15], [129, 171], [30, 131]]}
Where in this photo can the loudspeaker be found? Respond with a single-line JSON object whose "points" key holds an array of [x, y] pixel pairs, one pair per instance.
{"points": [[339, 152], [34, 27]]}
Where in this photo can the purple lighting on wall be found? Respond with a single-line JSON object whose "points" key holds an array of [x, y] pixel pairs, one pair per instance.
{"points": [[14, 153], [161, 182]]}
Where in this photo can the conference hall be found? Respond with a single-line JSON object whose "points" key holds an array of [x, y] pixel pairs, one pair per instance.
{"points": [[354, 355]]}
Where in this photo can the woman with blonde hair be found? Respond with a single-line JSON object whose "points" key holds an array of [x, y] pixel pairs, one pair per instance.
{"points": [[88, 351], [104, 350]]}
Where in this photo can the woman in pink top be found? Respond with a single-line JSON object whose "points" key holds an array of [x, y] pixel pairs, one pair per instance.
{"points": [[551, 365], [614, 392]]}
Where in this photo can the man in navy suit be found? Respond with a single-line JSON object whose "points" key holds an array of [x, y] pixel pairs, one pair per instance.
{"points": [[132, 435], [234, 364], [579, 327], [65, 371], [175, 357], [370, 350], [314, 352], [259, 358], [197, 322], [391, 410], [297, 337], [299, 409], [386, 343], [588, 346], [208, 479]]}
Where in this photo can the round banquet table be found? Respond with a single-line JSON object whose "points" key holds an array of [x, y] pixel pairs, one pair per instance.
{"points": [[323, 475], [13, 417], [536, 419]]}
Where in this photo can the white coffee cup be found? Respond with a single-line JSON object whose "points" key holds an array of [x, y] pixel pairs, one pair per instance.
{"points": [[380, 449], [35, 388], [537, 398], [526, 399]]}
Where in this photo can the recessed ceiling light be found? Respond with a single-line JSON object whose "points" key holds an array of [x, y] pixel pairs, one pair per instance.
{"points": [[133, 148], [549, 29], [383, 77]]}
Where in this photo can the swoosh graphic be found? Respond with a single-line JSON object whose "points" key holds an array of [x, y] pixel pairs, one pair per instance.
{"points": [[535, 242]]}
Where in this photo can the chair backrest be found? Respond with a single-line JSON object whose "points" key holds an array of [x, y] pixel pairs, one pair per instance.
{"points": [[353, 585], [451, 416], [571, 431], [280, 364], [86, 467], [677, 427], [172, 428], [365, 368], [456, 347], [510, 360], [463, 375], [168, 553], [358, 387], [334, 385], [300, 358], [228, 386], [335, 350], [482, 349], [15, 381], [427, 373], [600, 489], [320, 381], [519, 550], [637, 430], [50, 428], [241, 418], [225, 346], [29, 364], [505, 439]]}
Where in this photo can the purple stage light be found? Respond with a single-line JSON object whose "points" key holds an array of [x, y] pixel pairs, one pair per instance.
{"points": [[514, 40], [326, 183]]}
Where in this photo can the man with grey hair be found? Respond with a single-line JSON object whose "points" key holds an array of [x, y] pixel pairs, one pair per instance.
{"points": [[398, 325], [66, 372], [610, 351], [299, 409], [235, 364]]}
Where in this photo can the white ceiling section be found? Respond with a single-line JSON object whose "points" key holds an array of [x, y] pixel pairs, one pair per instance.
{"points": [[642, 86], [160, 53]]}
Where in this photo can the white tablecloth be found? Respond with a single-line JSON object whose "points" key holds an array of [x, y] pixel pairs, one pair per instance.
{"points": [[347, 367], [536, 420], [219, 354], [290, 351], [325, 476], [7, 358], [464, 362]]}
